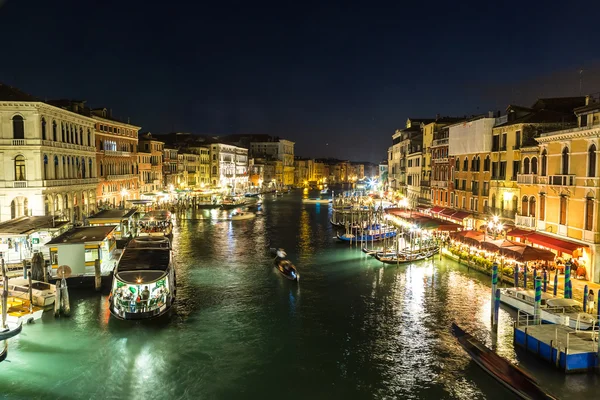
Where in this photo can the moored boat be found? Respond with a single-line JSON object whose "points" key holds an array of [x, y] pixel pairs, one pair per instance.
{"points": [[12, 329], [404, 258], [156, 223], [42, 293], [375, 236], [144, 282], [239, 216], [509, 375], [316, 201]]}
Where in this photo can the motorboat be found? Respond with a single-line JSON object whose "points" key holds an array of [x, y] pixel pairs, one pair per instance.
{"points": [[251, 195], [278, 194], [316, 201], [239, 216], [156, 223], [406, 258], [509, 375], [369, 236], [553, 310], [42, 293], [208, 205], [21, 311], [232, 202], [324, 191], [144, 281]]}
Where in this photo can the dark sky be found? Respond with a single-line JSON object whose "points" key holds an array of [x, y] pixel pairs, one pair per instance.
{"points": [[336, 79]]}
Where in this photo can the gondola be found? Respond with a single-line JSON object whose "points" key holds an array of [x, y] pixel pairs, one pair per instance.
{"points": [[511, 376], [4, 352], [286, 268], [349, 237], [405, 258]]}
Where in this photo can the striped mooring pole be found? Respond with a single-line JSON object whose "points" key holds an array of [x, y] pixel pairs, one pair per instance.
{"points": [[494, 286], [585, 294], [567, 290], [545, 281], [555, 283], [538, 301]]}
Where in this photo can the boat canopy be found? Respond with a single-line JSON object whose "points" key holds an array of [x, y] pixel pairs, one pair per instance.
{"points": [[144, 259], [140, 277], [560, 302]]}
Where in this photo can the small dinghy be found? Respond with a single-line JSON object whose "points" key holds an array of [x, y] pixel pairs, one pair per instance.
{"points": [[511, 376], [285, 266], [242, 216]]}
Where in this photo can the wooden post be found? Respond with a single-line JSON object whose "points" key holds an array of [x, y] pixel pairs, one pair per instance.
{"points": [[57, 299], [30, 291], [98, 277], [4, 295], [65, 304]]}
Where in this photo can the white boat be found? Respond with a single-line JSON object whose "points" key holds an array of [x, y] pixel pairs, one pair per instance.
{"points": [[316, 201], [324, 191], [242, 216], [144, 280], [42, 293], [553, 310], [156, 223]]}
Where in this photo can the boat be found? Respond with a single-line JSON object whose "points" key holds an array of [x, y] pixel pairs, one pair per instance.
{"points": [[371, 236], [324, 191], [316, 201], [553, 310], [232, 202], [239, 216], [12, 329], [21, 311], [405, 258], [207, 205], [338, 224], [509, 375], [278, 194], [286, 268], [251, 194], [144, 281], [156, 223], [42, 293]]}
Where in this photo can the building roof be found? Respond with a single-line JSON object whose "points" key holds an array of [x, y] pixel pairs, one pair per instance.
{"points": [[541, 117], [112, 215], [9, 93], [88, 234], [27, 225], [560, 104]]}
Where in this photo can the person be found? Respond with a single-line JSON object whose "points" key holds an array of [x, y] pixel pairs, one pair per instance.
{"points": [[281, 253], [590, 301], [145, 296]]}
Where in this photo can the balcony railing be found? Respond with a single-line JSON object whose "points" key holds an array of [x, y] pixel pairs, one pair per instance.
{"points": [[18, 142], [63, 145], [20, 184], [499, 177], [70, 182], [120, 177], [527, 179], [117, 153], [517, 147], [439, 142], [440, 160], [561, 180], [475, 191], [442, 184], [524, 221], [425, 183], [499, 212]]}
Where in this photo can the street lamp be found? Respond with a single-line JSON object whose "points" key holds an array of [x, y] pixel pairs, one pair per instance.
{"points": [[123, 194]]}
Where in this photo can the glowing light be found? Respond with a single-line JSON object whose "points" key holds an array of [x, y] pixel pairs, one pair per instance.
{"points": [[496, 218], [139, 280]]}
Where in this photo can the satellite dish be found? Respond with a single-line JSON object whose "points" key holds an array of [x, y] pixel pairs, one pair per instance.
{"points": [[64, 271]]}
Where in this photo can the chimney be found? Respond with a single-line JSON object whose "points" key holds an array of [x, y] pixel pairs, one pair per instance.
{"points": [[490, 114], [437, 117]]}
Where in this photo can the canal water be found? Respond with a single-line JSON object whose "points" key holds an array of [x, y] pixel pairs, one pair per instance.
{"points": [[351, 328]]}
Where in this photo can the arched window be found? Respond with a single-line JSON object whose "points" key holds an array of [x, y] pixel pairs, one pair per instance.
{"points": [[18, 127], [81, 136], [565, 161], [486, 164], [592, 161], [544, 162], [89, 142], [46, 167], [457, 166], [20, 168], [214, 170], [478, 165], [473, 163], [91, 174], [54, 134], [532, 206], [542, 206], [589, 213], [515, 203], [524, 206], [83, 167], [466, 164], [44, 129], [101, 169], [55, 167], [534, 163], [494, 201], [526, 166], [563, 210], [62, 126]]}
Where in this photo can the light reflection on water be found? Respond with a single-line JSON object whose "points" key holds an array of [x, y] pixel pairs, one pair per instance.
{"points": [[350, 328]]}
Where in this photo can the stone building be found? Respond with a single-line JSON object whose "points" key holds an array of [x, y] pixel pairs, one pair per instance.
{"points": [[150, 161]]}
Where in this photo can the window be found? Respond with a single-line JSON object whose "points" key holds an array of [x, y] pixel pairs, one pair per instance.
{"points": [[452, 199], [494, 201], [565, 161], [502, 169], [476, 204], [517, 139], [20, 169], [91, 255], [457, 167], [18, 128], [62, 126], [473, 163], [589, 214], [534, 163], [494, 170], [466, 164], [464, 184], [544, 162], [563, 210], [524, 206], [584, 120], [486, 164], [472, 204], [495, 143], [592, 161], [464, 203], [532, 206], [214, 170], [54, 135], [526, 166], [44, 129], [503, 143], [516, 165]]}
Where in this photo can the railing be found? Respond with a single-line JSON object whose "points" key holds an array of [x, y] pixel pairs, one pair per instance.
{"points": [[440, 160], [117, 153], [499, 178], [70, 182], [527, 179], [439, 183], [18, 142], [561, 180], [425, 183], [517, 147], [120, 177], [513, 178], [525, 221], [439, 142], [499, 212], [475, 191], [64, 145], [20, 184]]}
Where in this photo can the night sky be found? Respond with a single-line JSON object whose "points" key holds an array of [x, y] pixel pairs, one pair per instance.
{"points": [[337, 80]]}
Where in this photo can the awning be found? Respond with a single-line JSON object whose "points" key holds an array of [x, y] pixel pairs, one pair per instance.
{"points": [[460, 215], [447, 211], [436, 209], [519, 233], [446, 226], [564, 246]]}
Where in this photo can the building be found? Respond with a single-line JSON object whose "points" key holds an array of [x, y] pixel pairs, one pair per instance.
{"points": [[441, 181], [303, 171], [558, 182], [150, 161], [229, 167], [171, 175], [48, 159], [277, 150], [192, 169]]}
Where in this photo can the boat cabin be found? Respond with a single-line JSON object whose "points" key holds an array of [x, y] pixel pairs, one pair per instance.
{"points": [[528, 296], [122, 219]]}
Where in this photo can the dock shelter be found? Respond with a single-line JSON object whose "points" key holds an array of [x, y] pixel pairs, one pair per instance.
{"points": [[123, 219]]}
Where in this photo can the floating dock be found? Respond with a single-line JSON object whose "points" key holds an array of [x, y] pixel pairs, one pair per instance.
{"points": [[566, 348]]}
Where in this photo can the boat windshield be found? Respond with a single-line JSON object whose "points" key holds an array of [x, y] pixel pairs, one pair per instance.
{"points": [[142, 297]]}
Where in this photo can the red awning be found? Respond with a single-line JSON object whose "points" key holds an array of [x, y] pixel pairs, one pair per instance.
{"points": [[460, 215], [519, 233], [436, 209], [446, 226], [448, 211], [564, 246]]}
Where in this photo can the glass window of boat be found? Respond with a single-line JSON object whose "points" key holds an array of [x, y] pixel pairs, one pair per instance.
{"points": [[141, 297], [92, 254], [54, 257]]}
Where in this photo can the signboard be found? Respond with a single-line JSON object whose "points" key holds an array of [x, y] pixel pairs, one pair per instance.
{"points": [[35, 240]]}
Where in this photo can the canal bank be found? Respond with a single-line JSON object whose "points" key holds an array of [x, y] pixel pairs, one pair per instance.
{"points": [[351, 328]]}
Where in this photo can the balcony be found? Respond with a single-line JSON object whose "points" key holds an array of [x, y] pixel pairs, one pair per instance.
{"points": [[425, 183], [524, 221], [70, 146], [516, 147], [117, 153], [499, 212], [441, 184], [439, 142], [120, 177], [561, 180], [440, 160], [475, 191], [20, 184], [527, 179], [70, 182]]}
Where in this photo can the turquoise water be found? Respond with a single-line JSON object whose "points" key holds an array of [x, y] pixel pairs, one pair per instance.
{"points": [[350, 328]]}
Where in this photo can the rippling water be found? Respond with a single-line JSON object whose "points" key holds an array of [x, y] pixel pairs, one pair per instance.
{"points": [[351, 328]]}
